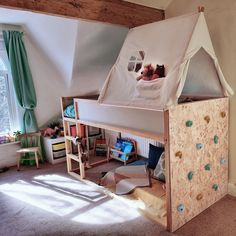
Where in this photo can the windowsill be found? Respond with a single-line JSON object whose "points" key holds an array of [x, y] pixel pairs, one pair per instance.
{"points": [[6, 144]]}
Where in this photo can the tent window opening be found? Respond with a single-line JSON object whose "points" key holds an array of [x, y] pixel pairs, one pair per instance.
{"points": [[136, 61]]}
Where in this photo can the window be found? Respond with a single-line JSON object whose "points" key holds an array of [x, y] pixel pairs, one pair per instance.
{"points": [[5, 121], [136, 61], [9, 114]]}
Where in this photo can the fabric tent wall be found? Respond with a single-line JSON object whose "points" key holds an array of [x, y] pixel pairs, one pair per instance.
{"points": [[221, 21], [202, 78], [171, 42]]}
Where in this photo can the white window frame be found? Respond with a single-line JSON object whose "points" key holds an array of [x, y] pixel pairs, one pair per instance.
{"points": [[136, 61], [15, 112]]}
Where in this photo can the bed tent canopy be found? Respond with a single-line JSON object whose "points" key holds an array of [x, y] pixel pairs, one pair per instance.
{"points": [[184, 46]]}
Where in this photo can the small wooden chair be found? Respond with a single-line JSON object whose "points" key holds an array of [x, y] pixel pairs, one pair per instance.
{"points": [[30, 144]]}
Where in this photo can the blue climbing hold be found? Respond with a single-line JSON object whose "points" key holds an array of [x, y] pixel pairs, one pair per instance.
{"points": [[222, 161], [189, 123], [199, 146], [208, 166], [180, 208], [216, 139], [215, 187]]}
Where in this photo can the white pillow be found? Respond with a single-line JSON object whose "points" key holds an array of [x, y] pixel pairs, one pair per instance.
{"points": [[159, 172]]}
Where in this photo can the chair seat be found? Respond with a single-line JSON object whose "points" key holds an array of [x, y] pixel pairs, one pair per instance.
{"points": [[30, 149]]}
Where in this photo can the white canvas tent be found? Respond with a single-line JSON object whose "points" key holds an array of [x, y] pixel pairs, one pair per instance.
{"points": [[184, 46]]}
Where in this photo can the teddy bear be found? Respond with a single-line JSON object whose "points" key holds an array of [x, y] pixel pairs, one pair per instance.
{"points": [[149, 73]]}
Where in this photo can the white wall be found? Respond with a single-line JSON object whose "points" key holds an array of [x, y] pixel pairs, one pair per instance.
{"points": [[8, 154], [221, 19], [67, 57]]}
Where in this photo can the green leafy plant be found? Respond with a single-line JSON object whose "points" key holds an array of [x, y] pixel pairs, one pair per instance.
{"points": [[16, 134]]}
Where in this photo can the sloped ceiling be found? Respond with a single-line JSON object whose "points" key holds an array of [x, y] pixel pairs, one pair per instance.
{"points": [[67, 57], [159, 4]]}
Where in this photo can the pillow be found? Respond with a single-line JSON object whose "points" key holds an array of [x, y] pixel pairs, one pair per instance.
{"points": [[154, 155], [69, 111], [159, 172]]}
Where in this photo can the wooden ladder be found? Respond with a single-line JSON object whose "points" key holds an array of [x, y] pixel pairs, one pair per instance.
{"points": [[80, 158]]}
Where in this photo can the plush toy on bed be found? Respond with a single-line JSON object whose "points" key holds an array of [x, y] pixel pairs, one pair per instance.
{"points": [[149, 73]]}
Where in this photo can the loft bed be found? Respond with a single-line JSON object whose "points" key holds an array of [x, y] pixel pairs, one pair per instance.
{"points": [[187, 111], [184, 154]]}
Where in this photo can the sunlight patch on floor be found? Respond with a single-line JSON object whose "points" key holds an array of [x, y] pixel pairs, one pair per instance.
{"points": [[110, 212], [44, 198], [70, 198], [72, 186]]}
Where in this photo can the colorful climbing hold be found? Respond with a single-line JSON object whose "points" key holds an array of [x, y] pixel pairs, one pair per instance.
{"points": [[215, 187], [223, 114], [208, 166], [216, 139], [178, 154], [199, 197], [207, 119], [199, 146], [190, 175], [180, 208], [189, 123], [222, 161]]}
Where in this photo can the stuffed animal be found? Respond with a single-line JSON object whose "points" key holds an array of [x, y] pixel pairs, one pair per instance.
{"points": [[149, 73], [160, 71], [49, 132]]}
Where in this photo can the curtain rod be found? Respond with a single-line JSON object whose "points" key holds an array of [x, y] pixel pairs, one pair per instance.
{"points": [[11, 27]]}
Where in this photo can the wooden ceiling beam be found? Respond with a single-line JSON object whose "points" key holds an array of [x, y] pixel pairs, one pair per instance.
{"points": [[109, 11]]}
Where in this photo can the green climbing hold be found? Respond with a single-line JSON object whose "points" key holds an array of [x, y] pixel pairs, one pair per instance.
{"points": [[190, 175], [180, 208], [216, 139], [189, 123], [208, 167], [215, 187]]}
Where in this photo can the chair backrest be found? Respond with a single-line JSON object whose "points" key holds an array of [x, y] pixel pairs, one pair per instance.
{"points": [[30, 139]]}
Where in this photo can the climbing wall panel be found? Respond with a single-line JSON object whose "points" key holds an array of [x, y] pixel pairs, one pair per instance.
{"points": [[198, 141]]}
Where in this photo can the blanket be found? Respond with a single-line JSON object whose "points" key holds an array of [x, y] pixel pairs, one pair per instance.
{"points": [[126, 178]]}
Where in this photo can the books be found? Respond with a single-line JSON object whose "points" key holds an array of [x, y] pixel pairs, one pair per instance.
{"points": [[100, 147], [125, 146]]}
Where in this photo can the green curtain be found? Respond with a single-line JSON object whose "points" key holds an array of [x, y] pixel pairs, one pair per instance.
{"points": [[23, 82], [22, 78]]}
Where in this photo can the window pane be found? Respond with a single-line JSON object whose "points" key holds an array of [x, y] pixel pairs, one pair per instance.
{"points": [[2, 65], [131, 66], [4, 106]]}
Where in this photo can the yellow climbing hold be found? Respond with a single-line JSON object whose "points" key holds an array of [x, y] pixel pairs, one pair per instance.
{"points": [[207, 119], [223, 114], [199, 197], [179, 154]]}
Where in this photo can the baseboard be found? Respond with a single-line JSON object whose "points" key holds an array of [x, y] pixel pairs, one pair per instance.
{"points": [[232, 189]]}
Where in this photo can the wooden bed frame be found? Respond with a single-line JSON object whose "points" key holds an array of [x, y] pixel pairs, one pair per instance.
{"points": [[195, 136]]}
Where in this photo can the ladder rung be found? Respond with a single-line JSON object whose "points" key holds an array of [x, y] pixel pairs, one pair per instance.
{"points": [[74, 157], [71, 138], [72, 120]]}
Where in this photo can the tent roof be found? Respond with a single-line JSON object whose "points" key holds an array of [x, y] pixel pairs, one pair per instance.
{"points": [[172, 42]]}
